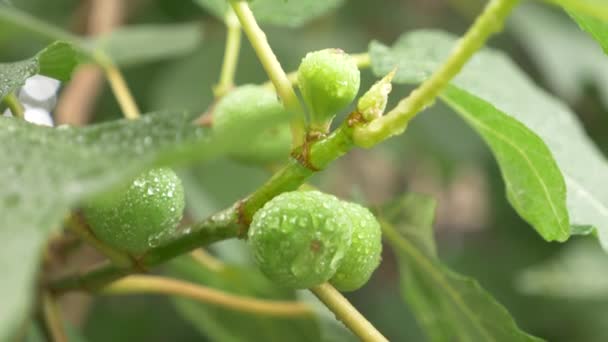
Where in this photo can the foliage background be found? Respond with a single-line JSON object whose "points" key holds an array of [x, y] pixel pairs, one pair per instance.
{"points": [[478, 233]]}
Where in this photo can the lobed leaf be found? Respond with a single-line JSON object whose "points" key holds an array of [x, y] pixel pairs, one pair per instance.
{"points": [[447, 305], [510, 113], [278, 12]]}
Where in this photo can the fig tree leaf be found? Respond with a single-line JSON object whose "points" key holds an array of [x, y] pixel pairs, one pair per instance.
{"points": [[503, 104], [576, 272], [15, 18], [597, 28], [58, 61], [534, 183], [124, 46], [137, 44], [46, 171], [593, 8], [447, 305], [550, 38]]}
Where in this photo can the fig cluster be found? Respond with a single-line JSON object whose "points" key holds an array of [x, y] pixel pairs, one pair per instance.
{"points": [[304, 238]]}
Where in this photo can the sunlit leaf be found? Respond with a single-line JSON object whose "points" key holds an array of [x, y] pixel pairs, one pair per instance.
{"points": [[492, 95]]}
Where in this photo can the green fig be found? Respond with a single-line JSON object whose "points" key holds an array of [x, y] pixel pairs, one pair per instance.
{"points": [[299, 238], [248, 106], [329, 81], [129, 218], [364, 253]]}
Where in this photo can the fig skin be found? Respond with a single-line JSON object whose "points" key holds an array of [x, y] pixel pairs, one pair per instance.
{"points": [[299, 238], [364, 254], [329, 81], [127, 219]]}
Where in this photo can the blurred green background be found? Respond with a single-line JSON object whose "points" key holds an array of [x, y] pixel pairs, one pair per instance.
{"points": [[478, 233]]}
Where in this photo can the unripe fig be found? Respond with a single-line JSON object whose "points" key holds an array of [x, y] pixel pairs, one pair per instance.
{"points": [[299, 238], [249, 106], [128, 218], [364, 253], [329, 80]]}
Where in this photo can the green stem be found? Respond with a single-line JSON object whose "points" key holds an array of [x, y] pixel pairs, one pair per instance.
{"points": [[273, 68], [221, 226], [167, 286], [208, 261], [362, 59], [119, 87], [90, 280], [81, 229], [52, 319], [347, 313], [395, 122], [231, 55], [12, 102], [297, 171]]}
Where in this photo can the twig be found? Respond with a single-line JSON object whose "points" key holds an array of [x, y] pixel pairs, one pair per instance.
{"points": [[76, 103], [160, 285], [80, 228], [273, 68], [221, 226], [207, 260], [12, 102], [52, 318], [394, 122], [347, 313], [231, 55], [121, 90], [362, 59]]}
